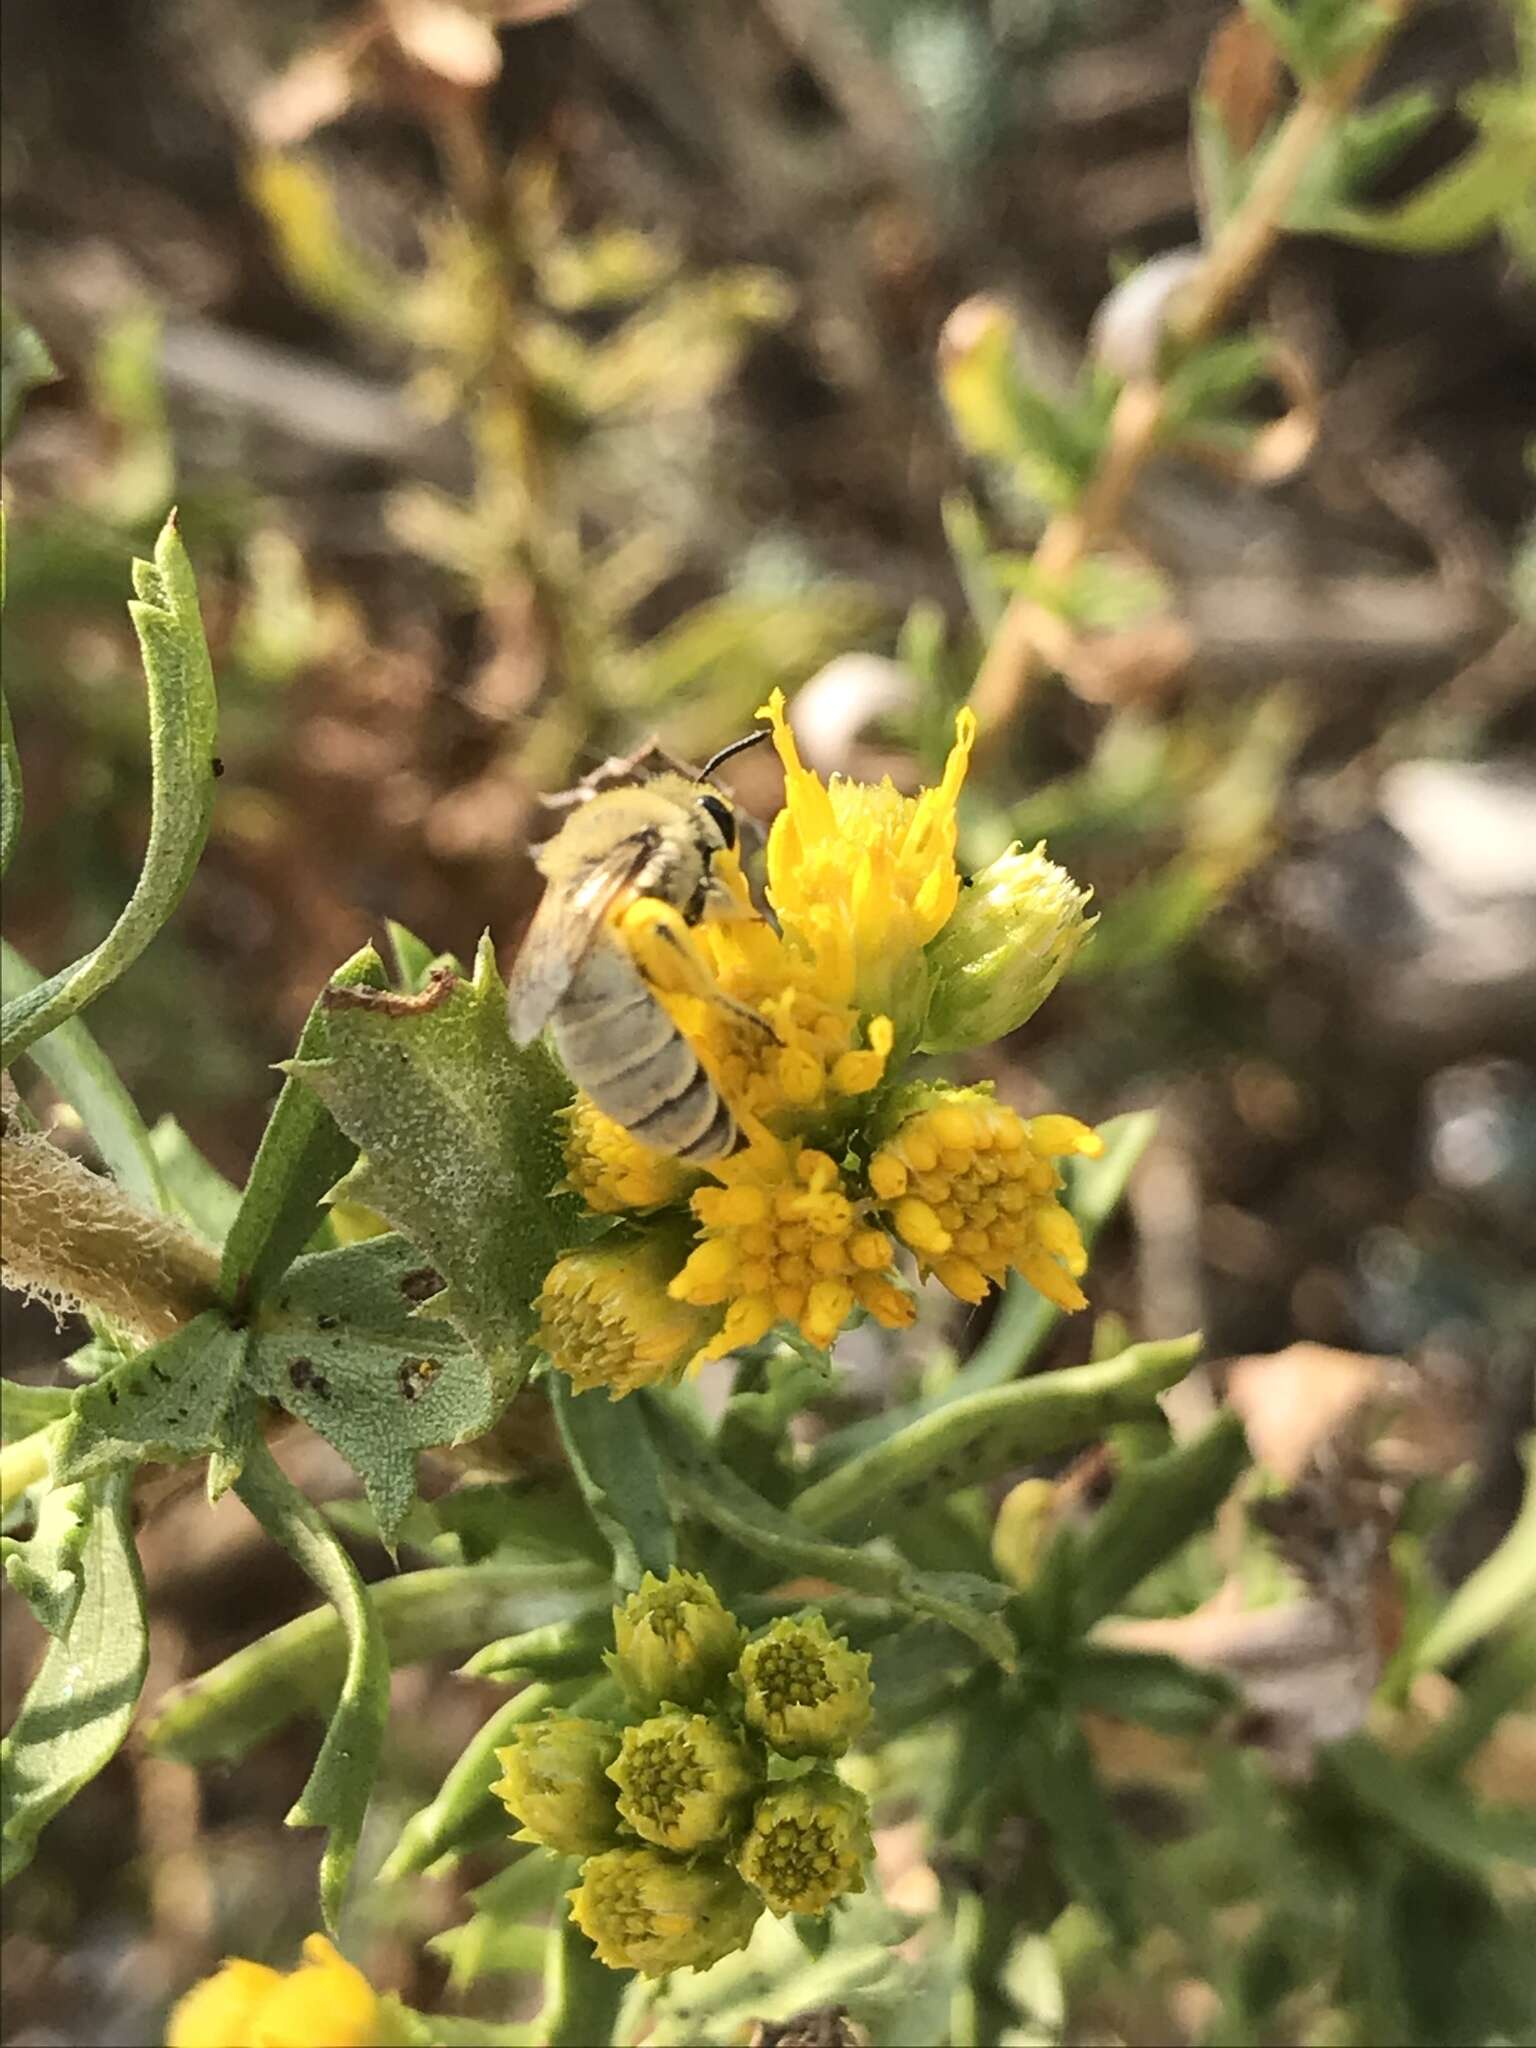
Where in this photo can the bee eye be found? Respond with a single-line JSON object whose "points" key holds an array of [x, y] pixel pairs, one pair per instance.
{"points": [[721, 812]]}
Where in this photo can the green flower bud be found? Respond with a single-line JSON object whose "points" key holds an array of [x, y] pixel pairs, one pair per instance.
{"points": [[1012, 936], [803, 1689], [684, 1780], [1020, 1531], [646, 1911], [556, 1784], [676, 1643], [807, 1845]]}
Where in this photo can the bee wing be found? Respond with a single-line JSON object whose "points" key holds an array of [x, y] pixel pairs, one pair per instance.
{"points": [[561, 934]]}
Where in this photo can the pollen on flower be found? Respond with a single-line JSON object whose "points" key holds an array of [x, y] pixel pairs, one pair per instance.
{"points": [[784, 1242], [862, 877], [971, 1188], [612, 1171], [606, 1319]]}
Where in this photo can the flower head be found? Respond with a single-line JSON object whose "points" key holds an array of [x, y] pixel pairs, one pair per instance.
{"points": [[803, 1689], [784, 1241], [862, 877], [1013, 935], [683, 1779], [645, 1910], [612, 1171], [556, 1784], [674, 1641], [324, 2003], [807, 1845], [607, 1319], [972, 1188]]}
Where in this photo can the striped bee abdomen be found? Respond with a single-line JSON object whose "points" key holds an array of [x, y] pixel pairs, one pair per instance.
{"points": [[618, 1043]]}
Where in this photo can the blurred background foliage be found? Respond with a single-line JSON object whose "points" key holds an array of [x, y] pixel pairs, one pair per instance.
{"points": [[535, 377]]}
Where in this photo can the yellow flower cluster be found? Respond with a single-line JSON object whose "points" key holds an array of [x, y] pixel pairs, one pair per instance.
{"points": [[324, 2003], [686, 1834], [872, 952]]}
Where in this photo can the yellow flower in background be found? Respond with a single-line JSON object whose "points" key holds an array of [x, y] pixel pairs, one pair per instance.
{"points": [[784, 1241], [971, 1188], [606, 1318], [324, 2003], [862, 877]]}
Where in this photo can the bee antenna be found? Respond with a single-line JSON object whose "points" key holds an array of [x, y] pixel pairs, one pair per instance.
{"points": [[740, 746]]}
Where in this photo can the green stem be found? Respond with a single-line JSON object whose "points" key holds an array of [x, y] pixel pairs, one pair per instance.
{"points": [[581, 1995]]}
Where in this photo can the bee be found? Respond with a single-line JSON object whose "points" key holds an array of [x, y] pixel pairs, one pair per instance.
{"points": [[655, 840]]}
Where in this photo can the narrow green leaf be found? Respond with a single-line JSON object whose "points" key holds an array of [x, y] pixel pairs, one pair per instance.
{"points": [[1503, 1585], [1062, 1786], [530, 1883], [300, 1667], [48, 1569], [1462, 204], [1439, 1818], [619, 1475], [462, 1145], [10, 787], [710, 1490], [195, 1189], [1024, 1319], [492, 1947], [182, 723], [1502, 1680], [581, 1995], [25, 364], [301, 1157], [337, 1793], [79, 1707], [87, 1080], [173, 1401], [1160, 1692], [981, 1435], [560, 1649], [24, 1409], [1153, 1511]]}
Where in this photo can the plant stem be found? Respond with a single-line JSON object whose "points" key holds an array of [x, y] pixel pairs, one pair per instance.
{"points": [[1239, 251]]}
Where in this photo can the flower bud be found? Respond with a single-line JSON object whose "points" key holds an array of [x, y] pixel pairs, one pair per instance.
{"points": [[606, 1319], [1012, 936], [675, 1643], [803, 1689], [1022, 1525], [807, 1845], [647, 1911], [556, 1784], [683, 1779]]}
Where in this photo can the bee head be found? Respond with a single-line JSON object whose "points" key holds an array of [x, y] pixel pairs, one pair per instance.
{"points": [[721, 817]]}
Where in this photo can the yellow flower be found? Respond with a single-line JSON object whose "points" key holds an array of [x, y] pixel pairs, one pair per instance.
{"points": [[971, 1187], [808, 1844], [324, 2003], [803, 1690], [784, 1241], [556, 1784], [612, 1171], [862, 877], [683, 1779], [674, 1641], [647, 1911], [606, 1318]]}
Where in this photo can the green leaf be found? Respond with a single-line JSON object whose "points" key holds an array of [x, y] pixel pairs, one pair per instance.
{"points": [[1502, 1680], [1134, 1685], [1154, 1510], [337, 1792], [24, 1408], [560, 1649], [617, 1470], [1503, 1585], [341, 1346], [10, 781], [301, 1157], [486, 1943], [581, 1995], [710, 1490], [983, 1434], [173, 1401], [48, 1569], [79, 1707], [414, 959], [1024, 1318], [300, 1667], [87, 1080], [1062, 1787], [182, 720], [25, 364], [462, 1146], [1446, 1823], [195, 1189]]}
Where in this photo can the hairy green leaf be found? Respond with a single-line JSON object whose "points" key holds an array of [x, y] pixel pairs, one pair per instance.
{"points": [[48, 1569], [986, 1433], [301, 1157], [461, 1143], [182, 722], [79, 1707], [175, 1400], [339, 1787], [617, 1470], [24, 1409]]}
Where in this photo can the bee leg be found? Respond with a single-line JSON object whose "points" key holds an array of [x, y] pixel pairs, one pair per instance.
{"points": [[662, 947]]}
